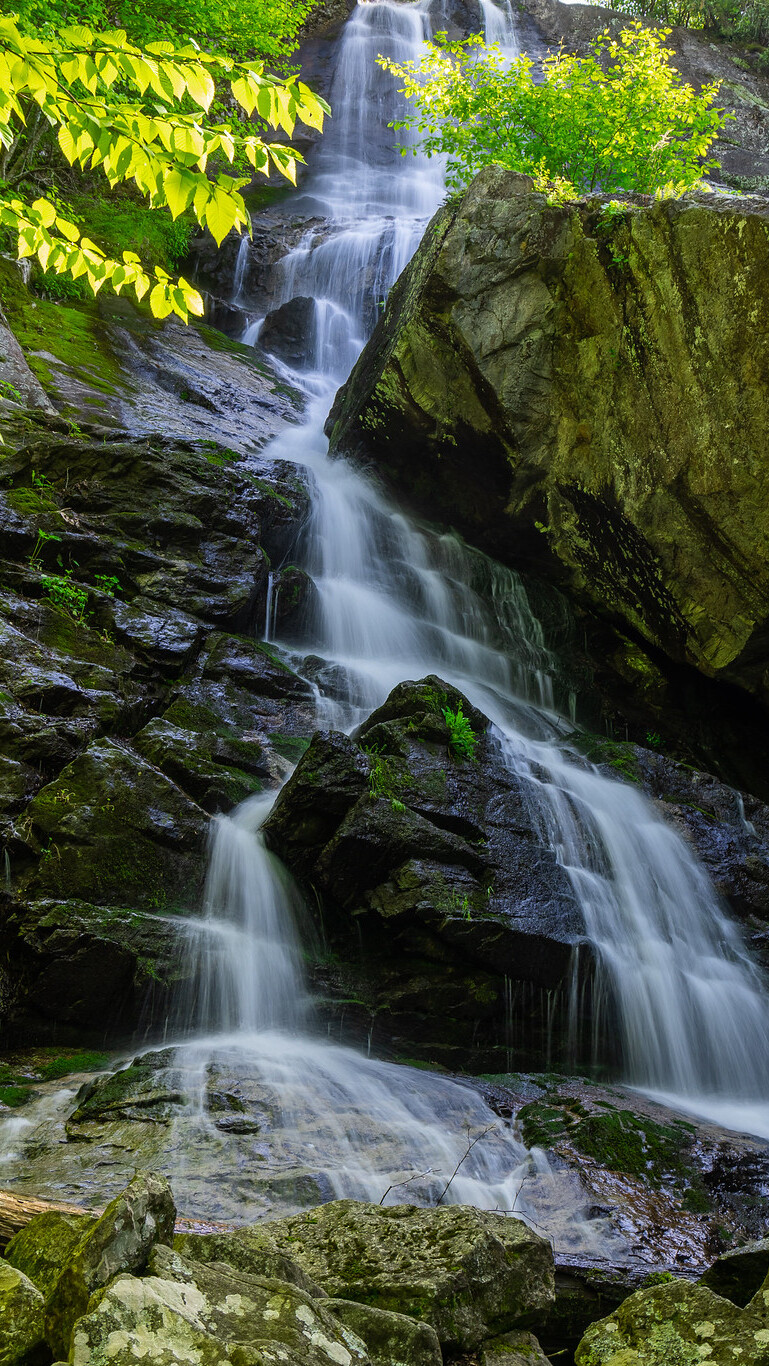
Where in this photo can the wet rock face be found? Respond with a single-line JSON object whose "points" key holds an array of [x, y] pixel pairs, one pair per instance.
{"points": [[134, 704], [571, 400], [432, 863], [729, 830]]}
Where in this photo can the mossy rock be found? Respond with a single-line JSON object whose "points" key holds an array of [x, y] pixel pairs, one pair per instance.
{"points": [[391, 1339], [619, 1140], [22, 1340], [468, 1274], [112, 827], [46, 1244], [210, 1316], [678, 1324]]}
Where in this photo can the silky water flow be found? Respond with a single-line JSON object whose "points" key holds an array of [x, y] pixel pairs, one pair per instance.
{"points": [[315, 1120]]}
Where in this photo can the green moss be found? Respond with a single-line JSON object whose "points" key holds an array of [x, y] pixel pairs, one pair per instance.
{"points": [[75, 336], [14, 1096], [613, 753], [618, 1140], [291, 747]]}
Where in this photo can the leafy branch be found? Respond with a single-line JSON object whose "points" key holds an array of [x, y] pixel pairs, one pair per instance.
{"points": [[139, 115]]}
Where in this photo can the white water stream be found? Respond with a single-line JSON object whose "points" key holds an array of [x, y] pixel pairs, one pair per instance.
{"points": [[399, 602]]}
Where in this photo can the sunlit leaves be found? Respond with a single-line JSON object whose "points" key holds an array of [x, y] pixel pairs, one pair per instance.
{"points": [[619, 119], [140, 115]]}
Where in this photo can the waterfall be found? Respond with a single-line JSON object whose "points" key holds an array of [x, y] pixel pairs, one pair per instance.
{"points": [[280, 1109], [396, 601]]}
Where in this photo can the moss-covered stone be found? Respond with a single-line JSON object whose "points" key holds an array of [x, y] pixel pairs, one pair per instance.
{"points": [[678, 1324], [46, 1244], [620, 1140], [204, 1316], [22, 1341], [391, 1339], [468, 1274], [113, 827], [119, 1241]]}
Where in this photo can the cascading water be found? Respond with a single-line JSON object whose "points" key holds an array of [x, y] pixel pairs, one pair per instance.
{"points": [[286, 1112], [396, 602]]}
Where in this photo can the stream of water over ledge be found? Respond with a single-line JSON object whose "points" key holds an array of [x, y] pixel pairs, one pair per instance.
{"points": [[263, 1114]]}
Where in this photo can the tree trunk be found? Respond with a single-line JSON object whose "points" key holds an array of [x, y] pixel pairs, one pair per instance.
{"points": [[16, 1211]]}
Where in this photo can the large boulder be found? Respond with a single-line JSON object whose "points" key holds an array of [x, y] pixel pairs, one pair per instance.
{"points": [[22, 1340], [469, 1274], [207, 1315], [581, 391], [438, 887], [120, 1241], [678, 1323]]}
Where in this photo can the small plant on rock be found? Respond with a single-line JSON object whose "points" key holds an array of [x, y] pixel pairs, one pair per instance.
{"points": [[107, 583], [67, 595], [462, 738], [382, 780]]}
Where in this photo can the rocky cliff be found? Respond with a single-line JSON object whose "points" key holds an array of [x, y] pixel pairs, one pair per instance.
{"points": [[584, 390]]}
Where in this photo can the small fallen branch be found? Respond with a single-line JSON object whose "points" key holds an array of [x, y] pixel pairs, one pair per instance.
{"points": [[418, 1176], [470, 1145]]}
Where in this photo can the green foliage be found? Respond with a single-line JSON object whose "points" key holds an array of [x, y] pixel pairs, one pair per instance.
{"points": [[383, 781], [67, 595], [462, 739], [742, 20], [620, 118], [107, 583], [138, 116], [263, 28], [43, 537], [8, 390]]}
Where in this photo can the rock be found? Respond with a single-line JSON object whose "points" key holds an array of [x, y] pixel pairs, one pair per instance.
{"points": [[286, 331], [739, 1273], [674, 1323], [120, 1241], [391, 1339], [21, 1319], [251, 1254], [46, 1244], [432, 866], [131, 708], [512, 1349], [106, 800], [205, 1315], [468, 1274], [559, 408]]}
